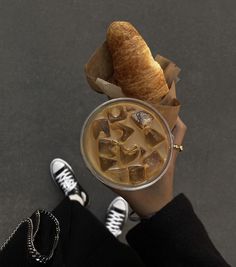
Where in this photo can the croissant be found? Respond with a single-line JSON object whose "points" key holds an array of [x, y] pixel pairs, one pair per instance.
{"points": [[135, 69]]}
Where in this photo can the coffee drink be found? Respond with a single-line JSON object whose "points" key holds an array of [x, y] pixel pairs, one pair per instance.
{"points": [[126, 142]]}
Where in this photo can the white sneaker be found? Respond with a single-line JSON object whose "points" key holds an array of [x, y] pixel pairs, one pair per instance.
{"points": [[63, 175], [117, 214]]}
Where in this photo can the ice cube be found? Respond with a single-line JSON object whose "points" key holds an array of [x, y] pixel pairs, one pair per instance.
{"points": [[126, 132], [127, 155], [153, 161], [106, 163], [136, 174], [108, 147], [101, 125], [119, 174], [142, 118], [152, 137], [116, 114]]}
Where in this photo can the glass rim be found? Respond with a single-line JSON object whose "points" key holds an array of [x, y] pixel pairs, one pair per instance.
{"points": [[108, 182]]}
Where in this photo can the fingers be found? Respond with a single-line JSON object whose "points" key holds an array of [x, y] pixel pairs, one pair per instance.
{"points": [[179, 132]]}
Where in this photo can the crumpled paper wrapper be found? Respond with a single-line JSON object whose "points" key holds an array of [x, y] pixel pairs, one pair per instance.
{"points": [[99, 71]]}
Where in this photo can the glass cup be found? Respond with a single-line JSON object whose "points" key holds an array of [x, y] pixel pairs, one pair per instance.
{"points": [[98, 174]]}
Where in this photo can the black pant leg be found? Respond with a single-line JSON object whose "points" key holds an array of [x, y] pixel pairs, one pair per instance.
{"points": [[85, 241]]}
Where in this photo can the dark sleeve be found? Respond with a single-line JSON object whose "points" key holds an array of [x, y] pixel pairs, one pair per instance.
{"points": [[174, 236]]}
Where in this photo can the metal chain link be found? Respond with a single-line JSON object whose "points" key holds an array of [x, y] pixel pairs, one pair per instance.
{"points": [[31, 236]]}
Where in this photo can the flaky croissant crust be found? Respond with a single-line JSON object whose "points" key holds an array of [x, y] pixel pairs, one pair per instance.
{"points": [[135, 69]]}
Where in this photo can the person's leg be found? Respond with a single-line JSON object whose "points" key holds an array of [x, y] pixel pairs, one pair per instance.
{"points": [[83, 238], [81, 231]]}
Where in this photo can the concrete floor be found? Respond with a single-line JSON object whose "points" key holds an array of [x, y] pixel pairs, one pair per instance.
{"points": [[44, 99]]}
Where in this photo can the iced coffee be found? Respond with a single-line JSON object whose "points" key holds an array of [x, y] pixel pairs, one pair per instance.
{"points": [[126, 142]]}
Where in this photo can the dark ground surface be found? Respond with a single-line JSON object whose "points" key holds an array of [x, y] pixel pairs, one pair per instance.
{"points": [[44, 99]]}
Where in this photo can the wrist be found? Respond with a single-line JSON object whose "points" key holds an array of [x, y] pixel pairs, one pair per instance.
{"points": [[148, 207]]}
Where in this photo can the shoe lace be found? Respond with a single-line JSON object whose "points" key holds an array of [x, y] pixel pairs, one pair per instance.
{"points": [[66, 180], [114, 222]]}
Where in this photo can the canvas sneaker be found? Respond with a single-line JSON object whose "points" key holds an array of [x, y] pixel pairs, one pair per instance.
{"points": [[63, 175], [117, 214]]}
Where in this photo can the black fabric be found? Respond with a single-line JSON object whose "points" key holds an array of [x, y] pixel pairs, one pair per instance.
{"points": [[86, 242], [172, 237]]}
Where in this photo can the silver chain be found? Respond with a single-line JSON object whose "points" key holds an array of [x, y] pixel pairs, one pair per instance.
{"points": [[31, 236]]}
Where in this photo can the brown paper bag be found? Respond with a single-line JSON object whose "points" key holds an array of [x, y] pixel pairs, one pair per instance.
{"points": [[99, 71]]}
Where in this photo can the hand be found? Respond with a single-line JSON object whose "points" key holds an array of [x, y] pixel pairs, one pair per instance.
{"points": [[151, 199]]}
